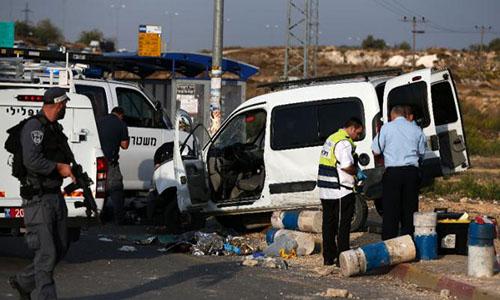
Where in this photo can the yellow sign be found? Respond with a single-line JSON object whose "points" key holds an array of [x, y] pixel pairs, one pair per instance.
{"points": [[149, 40]]}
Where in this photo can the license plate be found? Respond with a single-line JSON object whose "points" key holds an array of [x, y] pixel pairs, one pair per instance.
{"points": [[14, 213]]}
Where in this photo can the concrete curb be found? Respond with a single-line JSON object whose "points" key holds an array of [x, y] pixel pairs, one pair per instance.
{"points": [[462, 290]]}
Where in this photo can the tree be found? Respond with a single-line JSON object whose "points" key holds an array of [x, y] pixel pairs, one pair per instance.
{"points": [[371, 43], [47, 33], [494, 45], [403, 46], [23, 30], [93, 35]]}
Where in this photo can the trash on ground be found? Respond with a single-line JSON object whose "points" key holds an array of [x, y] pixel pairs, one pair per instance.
{"points": [[237, 245], [266, 262], [163, 249], [282, 245], [127, 249], [325, 270], [336, 293], [306, 243], [208, 244], [167, 238], [105, 239]]}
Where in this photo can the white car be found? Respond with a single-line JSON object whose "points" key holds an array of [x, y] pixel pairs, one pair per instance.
{"points": [[265, 155]]}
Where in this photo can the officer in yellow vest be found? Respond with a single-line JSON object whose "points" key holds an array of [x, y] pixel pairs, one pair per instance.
{"points": [[337, 169]]}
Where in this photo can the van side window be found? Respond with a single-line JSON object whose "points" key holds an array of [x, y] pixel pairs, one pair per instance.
{"points": [[97, 96], [415, 95], [246, 128], [443, 103], [307, 125], [138, 111]]}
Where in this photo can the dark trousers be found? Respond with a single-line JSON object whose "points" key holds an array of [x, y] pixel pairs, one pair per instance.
{"points": [[331, 228], [46, 234], [115, 188], [399, 200]]}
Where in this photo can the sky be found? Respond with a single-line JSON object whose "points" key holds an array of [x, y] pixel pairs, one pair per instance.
{"points": [[187, 24]]}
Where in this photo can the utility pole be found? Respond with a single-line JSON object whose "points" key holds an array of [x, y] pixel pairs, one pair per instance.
{"points": [[482, 30], [216, 73], [27, 12], [301, 38], [414, 20]]}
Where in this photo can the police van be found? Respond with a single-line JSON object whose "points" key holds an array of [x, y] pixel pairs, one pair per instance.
{"points": [[148, 126], [80, 127], [265, 155]]}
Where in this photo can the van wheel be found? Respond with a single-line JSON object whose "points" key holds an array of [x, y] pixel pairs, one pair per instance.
{"points": [[358, 222]]}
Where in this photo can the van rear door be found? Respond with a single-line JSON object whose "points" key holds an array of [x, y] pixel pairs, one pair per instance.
{"points": [[415, 89], [448, 122]]}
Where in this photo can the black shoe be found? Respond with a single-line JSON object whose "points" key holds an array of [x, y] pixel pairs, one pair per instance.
{"points": [[23, 295]]}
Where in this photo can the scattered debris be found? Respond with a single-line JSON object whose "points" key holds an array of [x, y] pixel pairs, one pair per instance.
{"points": [[325, 270], [266, 262], [336, 293], [445, 293], [127, 249], [105, 239], [163, 249]]}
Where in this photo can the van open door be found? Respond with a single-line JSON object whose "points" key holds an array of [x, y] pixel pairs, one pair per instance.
{"points": [[189, 168], [449, 125], [414, 89]]}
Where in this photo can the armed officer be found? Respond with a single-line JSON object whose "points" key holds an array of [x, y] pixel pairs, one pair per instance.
{"points": [[45, 212]]}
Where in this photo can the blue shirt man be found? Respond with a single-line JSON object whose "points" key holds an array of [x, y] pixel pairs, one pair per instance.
{"points": [[402, 143]]}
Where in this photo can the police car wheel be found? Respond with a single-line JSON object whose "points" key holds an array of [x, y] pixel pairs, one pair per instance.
{"points": [[358, 222]]}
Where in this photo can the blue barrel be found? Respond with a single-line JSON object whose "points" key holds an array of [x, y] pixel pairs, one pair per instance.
{"points": [[425, 235], [291, 219], [481, 235], [377, 255]]}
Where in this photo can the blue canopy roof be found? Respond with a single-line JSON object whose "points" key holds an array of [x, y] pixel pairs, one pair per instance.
{"points": [[187, 64]]}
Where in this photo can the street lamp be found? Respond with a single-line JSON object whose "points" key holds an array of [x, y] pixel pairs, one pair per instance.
{"points": [[170, 16], [117, 8]]}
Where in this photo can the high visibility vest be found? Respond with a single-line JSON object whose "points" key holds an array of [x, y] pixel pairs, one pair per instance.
{"points": [[328, 176]]}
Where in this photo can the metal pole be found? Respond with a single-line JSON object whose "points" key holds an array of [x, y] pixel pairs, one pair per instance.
{"points": [[216, 73], [414, 31], [287, 48], [307, 35]]}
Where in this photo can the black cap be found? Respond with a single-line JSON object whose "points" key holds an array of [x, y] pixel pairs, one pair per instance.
{"points": [[55, 95]]}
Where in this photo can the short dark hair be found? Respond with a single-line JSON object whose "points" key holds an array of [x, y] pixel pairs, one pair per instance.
{"points": [[118, 110], [353, 121]]}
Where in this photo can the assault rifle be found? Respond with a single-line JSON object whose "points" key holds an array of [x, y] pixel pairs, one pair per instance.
{"points": [[83, 182]]}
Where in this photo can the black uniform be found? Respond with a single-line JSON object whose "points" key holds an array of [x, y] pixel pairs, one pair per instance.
{"points": [[45, 213], [112, 131]]}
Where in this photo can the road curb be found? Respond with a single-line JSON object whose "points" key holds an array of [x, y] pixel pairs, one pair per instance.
{"points": [[462, 290]]}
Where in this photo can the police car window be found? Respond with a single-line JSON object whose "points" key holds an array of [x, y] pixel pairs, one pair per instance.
{"points": [[415, 95], [443, 103], [246, 128], [309, 124], [138, 111], [97, 96]]}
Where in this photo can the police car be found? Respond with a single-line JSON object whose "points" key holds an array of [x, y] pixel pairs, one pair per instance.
{"points": [[148, 126], [265, 155], [80, 128]]}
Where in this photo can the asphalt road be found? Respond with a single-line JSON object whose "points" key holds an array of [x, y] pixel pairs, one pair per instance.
{"points": [[95, 269]]}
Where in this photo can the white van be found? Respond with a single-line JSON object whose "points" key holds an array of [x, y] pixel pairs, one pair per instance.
{"points": [[265, 155], [80, 128]]}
